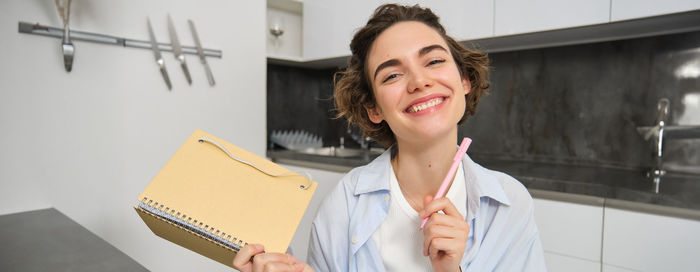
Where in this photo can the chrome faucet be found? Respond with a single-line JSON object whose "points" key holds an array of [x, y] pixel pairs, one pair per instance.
{"points": [[658, 131], [662, 132]]}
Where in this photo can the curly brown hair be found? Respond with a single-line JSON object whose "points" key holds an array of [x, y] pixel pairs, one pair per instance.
{"points": [[353, 92]]}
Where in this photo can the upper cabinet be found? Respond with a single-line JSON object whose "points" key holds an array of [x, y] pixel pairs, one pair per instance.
{"points": [[633, 9], [517, 17], [330, 24], [317, 33], [464, 19], [284, 39]]}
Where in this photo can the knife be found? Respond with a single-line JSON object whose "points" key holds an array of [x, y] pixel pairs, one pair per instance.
{"points": [[156, 53], [177, 49], [200, 52]]}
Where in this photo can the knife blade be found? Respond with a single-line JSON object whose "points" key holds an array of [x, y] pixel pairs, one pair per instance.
{"points": [[200, 52], [177, 49], [159, 57]]}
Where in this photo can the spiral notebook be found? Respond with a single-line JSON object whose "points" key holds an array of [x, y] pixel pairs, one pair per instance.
{"points": [[213, 198]]}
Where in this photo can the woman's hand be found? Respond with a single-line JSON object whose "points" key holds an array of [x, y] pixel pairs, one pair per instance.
{"points": [[266, 262], [445, 235]]}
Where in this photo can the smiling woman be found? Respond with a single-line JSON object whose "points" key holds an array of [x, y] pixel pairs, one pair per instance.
{"points": [[408, 86]]}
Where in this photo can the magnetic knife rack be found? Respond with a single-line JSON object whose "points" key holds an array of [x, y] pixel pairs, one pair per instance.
{"points": [[48, 31]]}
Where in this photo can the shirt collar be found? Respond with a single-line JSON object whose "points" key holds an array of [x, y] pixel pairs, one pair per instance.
{"points": [[375, 175], [480, 181]]}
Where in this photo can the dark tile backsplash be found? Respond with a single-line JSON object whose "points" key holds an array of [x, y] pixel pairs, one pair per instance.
{"points": [[302, 99], [575, 104]]}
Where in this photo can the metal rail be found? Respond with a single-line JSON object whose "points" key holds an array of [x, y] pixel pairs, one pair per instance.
{"points": [[37, 29]]}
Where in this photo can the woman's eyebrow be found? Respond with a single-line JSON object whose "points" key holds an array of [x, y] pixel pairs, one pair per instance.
{"points": [[427, 49], [388, 63], [421, 52]]}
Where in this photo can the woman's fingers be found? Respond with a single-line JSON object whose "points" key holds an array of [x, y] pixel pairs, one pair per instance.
{"points": [[271, 261], [243, 257], [444, 235], [443, 247], [281, 266], [444, 226], [431, 206], [262, 261]]}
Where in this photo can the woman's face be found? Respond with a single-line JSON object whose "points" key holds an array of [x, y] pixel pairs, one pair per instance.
{"points": [[417, 84]]}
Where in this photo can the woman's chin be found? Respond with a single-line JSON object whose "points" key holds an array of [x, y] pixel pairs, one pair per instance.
{"points": [[431, 133]]}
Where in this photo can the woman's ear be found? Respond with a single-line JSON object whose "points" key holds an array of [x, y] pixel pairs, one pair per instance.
{"points": [[374, 114], [467, 85]]}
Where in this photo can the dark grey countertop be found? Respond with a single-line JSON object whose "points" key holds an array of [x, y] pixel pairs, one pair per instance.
{"points": [[47, 240], [675, 190], [621, 185]]}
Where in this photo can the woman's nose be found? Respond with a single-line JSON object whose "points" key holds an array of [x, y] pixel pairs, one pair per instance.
{"points": [[419, 81]]}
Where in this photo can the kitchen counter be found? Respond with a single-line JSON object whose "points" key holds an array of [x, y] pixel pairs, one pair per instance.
{"points": [[47, 240], [679, 195]]}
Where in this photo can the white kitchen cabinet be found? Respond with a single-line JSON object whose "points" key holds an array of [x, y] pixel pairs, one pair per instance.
{"points": [[288, 45], [633, 9], [570, 229], [648, 242], [328, 25], [517, 17], [463, 19], [610, 268], [556, 262]]}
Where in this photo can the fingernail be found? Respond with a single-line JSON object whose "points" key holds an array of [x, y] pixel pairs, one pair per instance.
{"points": [[299, 266], [259, 247]]}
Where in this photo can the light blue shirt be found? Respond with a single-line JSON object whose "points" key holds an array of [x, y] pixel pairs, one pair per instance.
{"points": [[503, 235]]}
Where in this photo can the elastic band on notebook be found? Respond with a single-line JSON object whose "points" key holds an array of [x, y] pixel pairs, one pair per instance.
{"points": [[215, 143]]}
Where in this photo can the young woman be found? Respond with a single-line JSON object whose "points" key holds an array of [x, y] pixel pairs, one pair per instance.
{"points": [[408, 86]]}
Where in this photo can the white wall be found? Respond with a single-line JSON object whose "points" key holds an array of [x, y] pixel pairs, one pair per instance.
{"points": [[87, 142]]}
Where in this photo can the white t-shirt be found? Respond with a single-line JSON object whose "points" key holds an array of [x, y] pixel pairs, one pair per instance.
{"points": [[399, 238]]}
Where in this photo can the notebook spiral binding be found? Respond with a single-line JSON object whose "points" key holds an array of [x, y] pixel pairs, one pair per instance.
{"points": [[200, 228]]}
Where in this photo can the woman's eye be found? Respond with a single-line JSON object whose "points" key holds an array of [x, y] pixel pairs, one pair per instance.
{"points": [[436, 61], [392, 76]]}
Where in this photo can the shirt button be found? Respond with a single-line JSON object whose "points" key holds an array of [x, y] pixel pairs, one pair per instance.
{"points": [[354, 240], [386, 197]]}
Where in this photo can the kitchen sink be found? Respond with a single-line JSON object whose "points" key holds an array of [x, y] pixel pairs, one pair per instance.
{"points": [[333, 151]]}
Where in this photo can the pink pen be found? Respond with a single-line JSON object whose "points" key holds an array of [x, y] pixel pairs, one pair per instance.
{"points": [[451, 173]]}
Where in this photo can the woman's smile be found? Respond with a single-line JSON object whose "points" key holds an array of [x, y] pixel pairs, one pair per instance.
{"points": [[426, 105]]}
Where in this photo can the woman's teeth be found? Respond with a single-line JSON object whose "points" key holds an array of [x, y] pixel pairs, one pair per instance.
{"points": [[430, 103]]}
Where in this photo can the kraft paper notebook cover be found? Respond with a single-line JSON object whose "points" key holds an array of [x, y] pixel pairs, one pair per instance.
{"points": [[213, 204]]}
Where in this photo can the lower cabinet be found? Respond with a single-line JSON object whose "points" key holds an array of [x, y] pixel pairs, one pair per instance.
{"points": [[610, 268], [581, 237], [571, 234], [648, 242], [556, 262]]}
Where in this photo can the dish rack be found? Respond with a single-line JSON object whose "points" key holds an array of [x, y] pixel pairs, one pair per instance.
{"points": [[296, 139]]}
